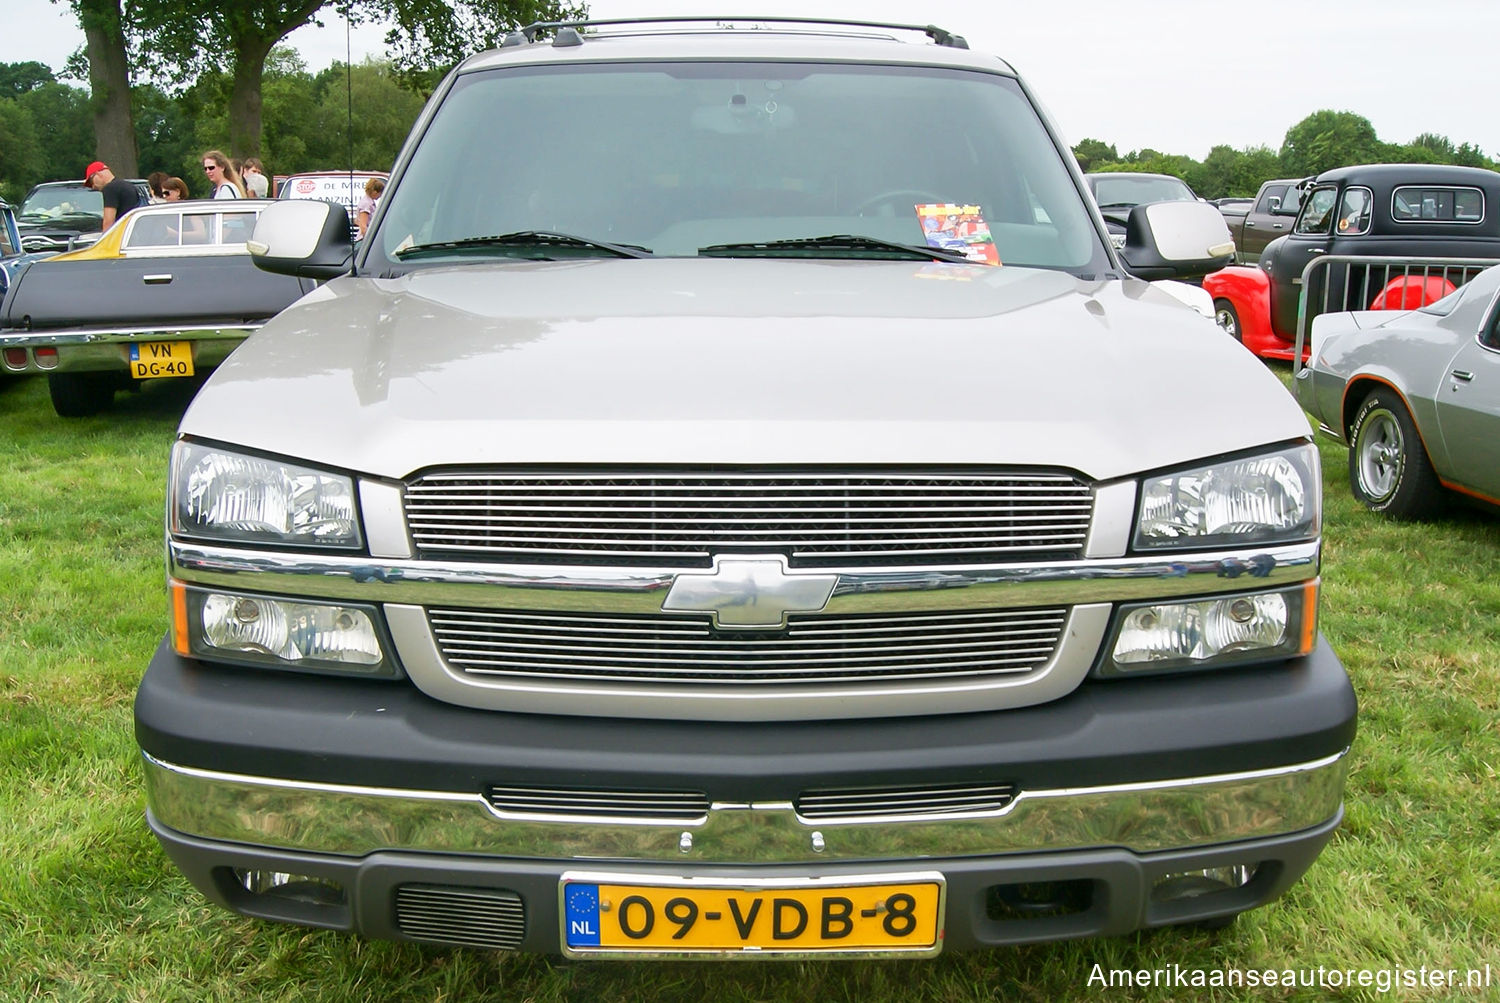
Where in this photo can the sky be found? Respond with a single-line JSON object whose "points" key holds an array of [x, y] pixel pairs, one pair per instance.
{"points": [[1176, 76]]}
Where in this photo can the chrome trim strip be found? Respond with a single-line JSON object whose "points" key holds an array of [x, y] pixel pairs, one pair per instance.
{"points": [[715, 700], [95, 336], [354, 821], [544, 587]]}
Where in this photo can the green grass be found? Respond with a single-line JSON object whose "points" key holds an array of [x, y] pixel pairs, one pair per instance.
{"points": [[90, 909]]}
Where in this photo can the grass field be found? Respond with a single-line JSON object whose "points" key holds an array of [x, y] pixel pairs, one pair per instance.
{"points": [[91, 910]]}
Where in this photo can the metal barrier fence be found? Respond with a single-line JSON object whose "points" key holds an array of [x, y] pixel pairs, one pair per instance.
{"points": [[1335, 282]]}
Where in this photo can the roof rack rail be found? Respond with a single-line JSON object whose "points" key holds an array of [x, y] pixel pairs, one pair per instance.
{"points": [[531, 31]]}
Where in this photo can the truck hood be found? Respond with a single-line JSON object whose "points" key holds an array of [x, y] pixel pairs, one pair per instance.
{"points": [[703, 361]]}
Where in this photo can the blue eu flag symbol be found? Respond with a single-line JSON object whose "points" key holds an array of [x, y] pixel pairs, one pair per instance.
{"points": [[581, 914]]}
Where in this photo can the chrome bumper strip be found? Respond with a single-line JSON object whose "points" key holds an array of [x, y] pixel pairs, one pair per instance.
{"points": [[540, 587], [354, 821]]}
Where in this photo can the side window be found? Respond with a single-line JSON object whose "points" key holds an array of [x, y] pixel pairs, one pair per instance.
{"points": [[6, 245], [1441, 205], [198, 228], [155, 230], [1274, 192], [1354, 212], [236, 227], [1317, 212]]}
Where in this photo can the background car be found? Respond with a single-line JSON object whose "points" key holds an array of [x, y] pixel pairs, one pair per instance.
{"points": [[344, 188], [1415, 395], [65, 215], [12, 256], [169, 291], [1118, 192], [1380, 212]]}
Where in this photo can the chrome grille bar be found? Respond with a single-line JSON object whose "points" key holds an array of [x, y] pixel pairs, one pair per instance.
{"points": [[820, 806], [864, 517], [661, 806], [472, 917], [685, 648]]}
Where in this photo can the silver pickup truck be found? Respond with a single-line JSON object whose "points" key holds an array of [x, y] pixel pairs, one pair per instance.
{"points": [[736, 503]]}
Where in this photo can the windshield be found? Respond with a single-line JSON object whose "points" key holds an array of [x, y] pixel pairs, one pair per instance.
{"points": [[677, 157], [1124, 189], [58, 201]]}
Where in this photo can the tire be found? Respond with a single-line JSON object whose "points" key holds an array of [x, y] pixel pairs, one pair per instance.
{"points": [[78, 395], [1228, 318], [1389, 471]]}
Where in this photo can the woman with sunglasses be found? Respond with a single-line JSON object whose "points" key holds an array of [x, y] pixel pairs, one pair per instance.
{"points": [[222, 176]]}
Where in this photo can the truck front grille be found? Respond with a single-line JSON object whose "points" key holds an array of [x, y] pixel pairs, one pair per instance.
{"points": [[685, 649], [817, 519]]}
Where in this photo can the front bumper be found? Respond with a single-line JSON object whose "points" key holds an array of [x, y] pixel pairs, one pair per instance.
{"points": [[374, 787]]}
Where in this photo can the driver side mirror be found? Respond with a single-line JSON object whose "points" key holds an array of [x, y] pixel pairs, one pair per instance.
{"points": [[307, 238], [1173, 240]]}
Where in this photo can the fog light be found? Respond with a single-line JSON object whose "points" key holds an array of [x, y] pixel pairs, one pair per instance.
{"points": [[1209, 632], [294, 887], [267, 630], [1191, 884], [15, 358], [46, 358]]}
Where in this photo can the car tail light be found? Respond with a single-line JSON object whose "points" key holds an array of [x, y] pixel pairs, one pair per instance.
{"points": [[46, 358], [15, 358]]}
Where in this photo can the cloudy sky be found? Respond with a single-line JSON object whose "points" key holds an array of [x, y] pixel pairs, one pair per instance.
{"points": [[1177, 76]]}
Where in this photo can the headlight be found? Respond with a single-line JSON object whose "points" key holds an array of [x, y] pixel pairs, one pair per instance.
{"points": [[1259, 499], [1208, 633], [271, 631], [221, 495]]}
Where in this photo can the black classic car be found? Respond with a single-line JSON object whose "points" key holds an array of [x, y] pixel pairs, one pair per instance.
{"points": [[1378, 211], [65, 215], [168, 291]]}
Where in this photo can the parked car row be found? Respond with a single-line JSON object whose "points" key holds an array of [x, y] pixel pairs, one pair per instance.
{"points": [[170, 288]]}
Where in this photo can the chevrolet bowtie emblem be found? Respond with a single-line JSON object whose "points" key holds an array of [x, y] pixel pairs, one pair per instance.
{"points": [[749, 593]]}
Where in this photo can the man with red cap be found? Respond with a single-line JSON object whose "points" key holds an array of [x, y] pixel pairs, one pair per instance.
{"points": [[120, 196]]}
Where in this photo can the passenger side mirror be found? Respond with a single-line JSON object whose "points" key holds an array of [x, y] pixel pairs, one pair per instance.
{"points": [[1275, 201], [1173, 240], [307, 238]]}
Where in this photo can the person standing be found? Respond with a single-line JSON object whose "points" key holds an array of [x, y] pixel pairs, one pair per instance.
{"points": [[222, 176], [120, 195], [256, 182], [374, 188], [174, 190]]}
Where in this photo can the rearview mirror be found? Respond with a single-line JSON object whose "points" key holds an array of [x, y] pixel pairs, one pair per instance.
{"points": [[1173, 240], [308, 238]]}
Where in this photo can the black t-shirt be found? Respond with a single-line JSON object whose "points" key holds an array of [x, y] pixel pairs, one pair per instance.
{"points": [[121, 196]]}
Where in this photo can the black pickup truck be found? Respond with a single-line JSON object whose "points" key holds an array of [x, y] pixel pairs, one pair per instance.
{"points": [[1265, 218]]}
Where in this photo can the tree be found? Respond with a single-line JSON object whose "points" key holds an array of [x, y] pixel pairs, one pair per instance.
{"points": [[18, 78], [1327, 139], [188, 38], [20, 154], [1090, 153], [109, 78], [65, 140]]}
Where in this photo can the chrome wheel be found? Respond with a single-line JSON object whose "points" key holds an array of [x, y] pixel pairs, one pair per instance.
{"points": [[1226, 317], [1381, 453]]}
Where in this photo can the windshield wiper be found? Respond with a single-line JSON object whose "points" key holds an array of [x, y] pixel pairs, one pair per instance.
{"points": [[524, 240], [811, 247]]}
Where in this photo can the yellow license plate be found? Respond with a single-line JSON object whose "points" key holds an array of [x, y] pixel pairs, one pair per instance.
{"points": [[605, 914], [151, 359]]}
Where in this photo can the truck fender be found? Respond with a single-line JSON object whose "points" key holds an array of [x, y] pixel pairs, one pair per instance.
{"points": [[1248, 290]]}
